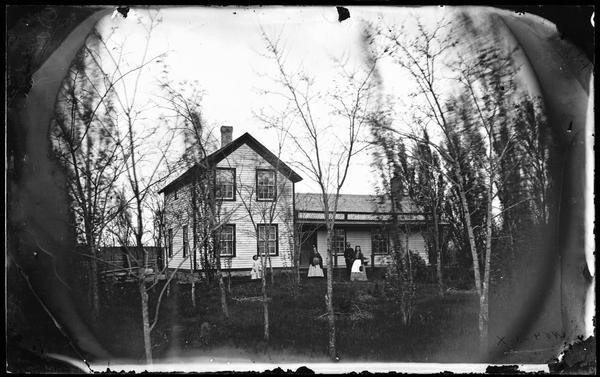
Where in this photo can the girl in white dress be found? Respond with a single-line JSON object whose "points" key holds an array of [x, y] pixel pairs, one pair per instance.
{"points": [[358, 272], [256, 272], [315, 269]]}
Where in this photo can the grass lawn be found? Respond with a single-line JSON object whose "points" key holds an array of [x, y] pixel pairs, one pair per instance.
{"points": [[368, 324]]}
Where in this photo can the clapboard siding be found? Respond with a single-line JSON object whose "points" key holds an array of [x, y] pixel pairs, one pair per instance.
{"points": [[362, 237], [416, 244], [245, 211], [177, 214]]}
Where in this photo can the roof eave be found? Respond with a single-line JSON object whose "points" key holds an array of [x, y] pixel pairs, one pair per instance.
{"points": [[220, 154]]}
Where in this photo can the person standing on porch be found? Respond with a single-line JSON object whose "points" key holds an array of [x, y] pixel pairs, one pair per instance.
{"points": [[358, 272], [349, 257], [315, 270]]}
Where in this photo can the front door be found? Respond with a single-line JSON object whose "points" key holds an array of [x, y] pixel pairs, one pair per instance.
{"points": [[309, 239]]}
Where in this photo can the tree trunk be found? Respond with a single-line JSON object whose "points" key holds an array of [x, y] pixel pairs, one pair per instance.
{"points": [[264, 290], [224, 306], [329, 296], [193, 290], [483, 300], [296, 249], [408, 260], [271, 271], [207, 266], [94, 289], [89, 229], [471, 235], [145, 319], [402, 269], [411, 283], [438, 250], [265, 307], [229, 280], [298, 268]]}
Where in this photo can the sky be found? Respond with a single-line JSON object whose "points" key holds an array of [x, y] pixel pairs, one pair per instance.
{"points": [[220, 51]]}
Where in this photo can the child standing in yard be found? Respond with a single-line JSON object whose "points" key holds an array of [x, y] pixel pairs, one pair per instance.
{"points": [[358, 272], [315, 270], [256, 272]]}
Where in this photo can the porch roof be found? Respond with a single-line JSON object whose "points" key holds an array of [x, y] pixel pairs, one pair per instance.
{"points": [[355, 209], [353, 203]]}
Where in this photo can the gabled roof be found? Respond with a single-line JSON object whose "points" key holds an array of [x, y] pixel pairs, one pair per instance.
{"points": [[353, 203], [217, 156]]}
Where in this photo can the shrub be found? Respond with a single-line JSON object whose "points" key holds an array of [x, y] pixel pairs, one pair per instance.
{"points": [[398, 285]]}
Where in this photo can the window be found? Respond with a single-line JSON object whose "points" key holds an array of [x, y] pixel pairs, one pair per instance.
{"points": [[379, 240], [225, 184], [227, 241], [170, 242], [268, 233], [339, 241], [185, 241], [266, 183]]}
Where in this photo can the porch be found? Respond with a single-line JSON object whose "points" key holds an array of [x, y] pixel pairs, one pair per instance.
{"points": [[369, 231]]}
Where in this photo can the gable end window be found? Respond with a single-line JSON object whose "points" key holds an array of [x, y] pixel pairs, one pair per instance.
{"points": [[225, 184], [226, 238], [268, 239], [266, 185]]}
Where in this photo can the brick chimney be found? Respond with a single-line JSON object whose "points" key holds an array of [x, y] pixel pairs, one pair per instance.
{"points": [[226, 135]]}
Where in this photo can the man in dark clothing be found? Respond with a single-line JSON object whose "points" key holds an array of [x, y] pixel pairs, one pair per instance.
{"points": [[349, 257]]}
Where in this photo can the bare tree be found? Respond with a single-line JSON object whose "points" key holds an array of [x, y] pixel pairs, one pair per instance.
{"points": [[144, 153], [299, 236], [266, 203], [125, 229], [84, 144], [488, 82], [329, 170], [205, 209], [466, 124], [419, 57]]}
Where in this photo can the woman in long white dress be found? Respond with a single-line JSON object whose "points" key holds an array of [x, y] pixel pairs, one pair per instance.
{"points": [[358, 271], [315, 268]]}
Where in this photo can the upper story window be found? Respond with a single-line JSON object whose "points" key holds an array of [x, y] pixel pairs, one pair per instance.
{"points": [[226, 239], [268, 239], [225, 184], [266, 184]]}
